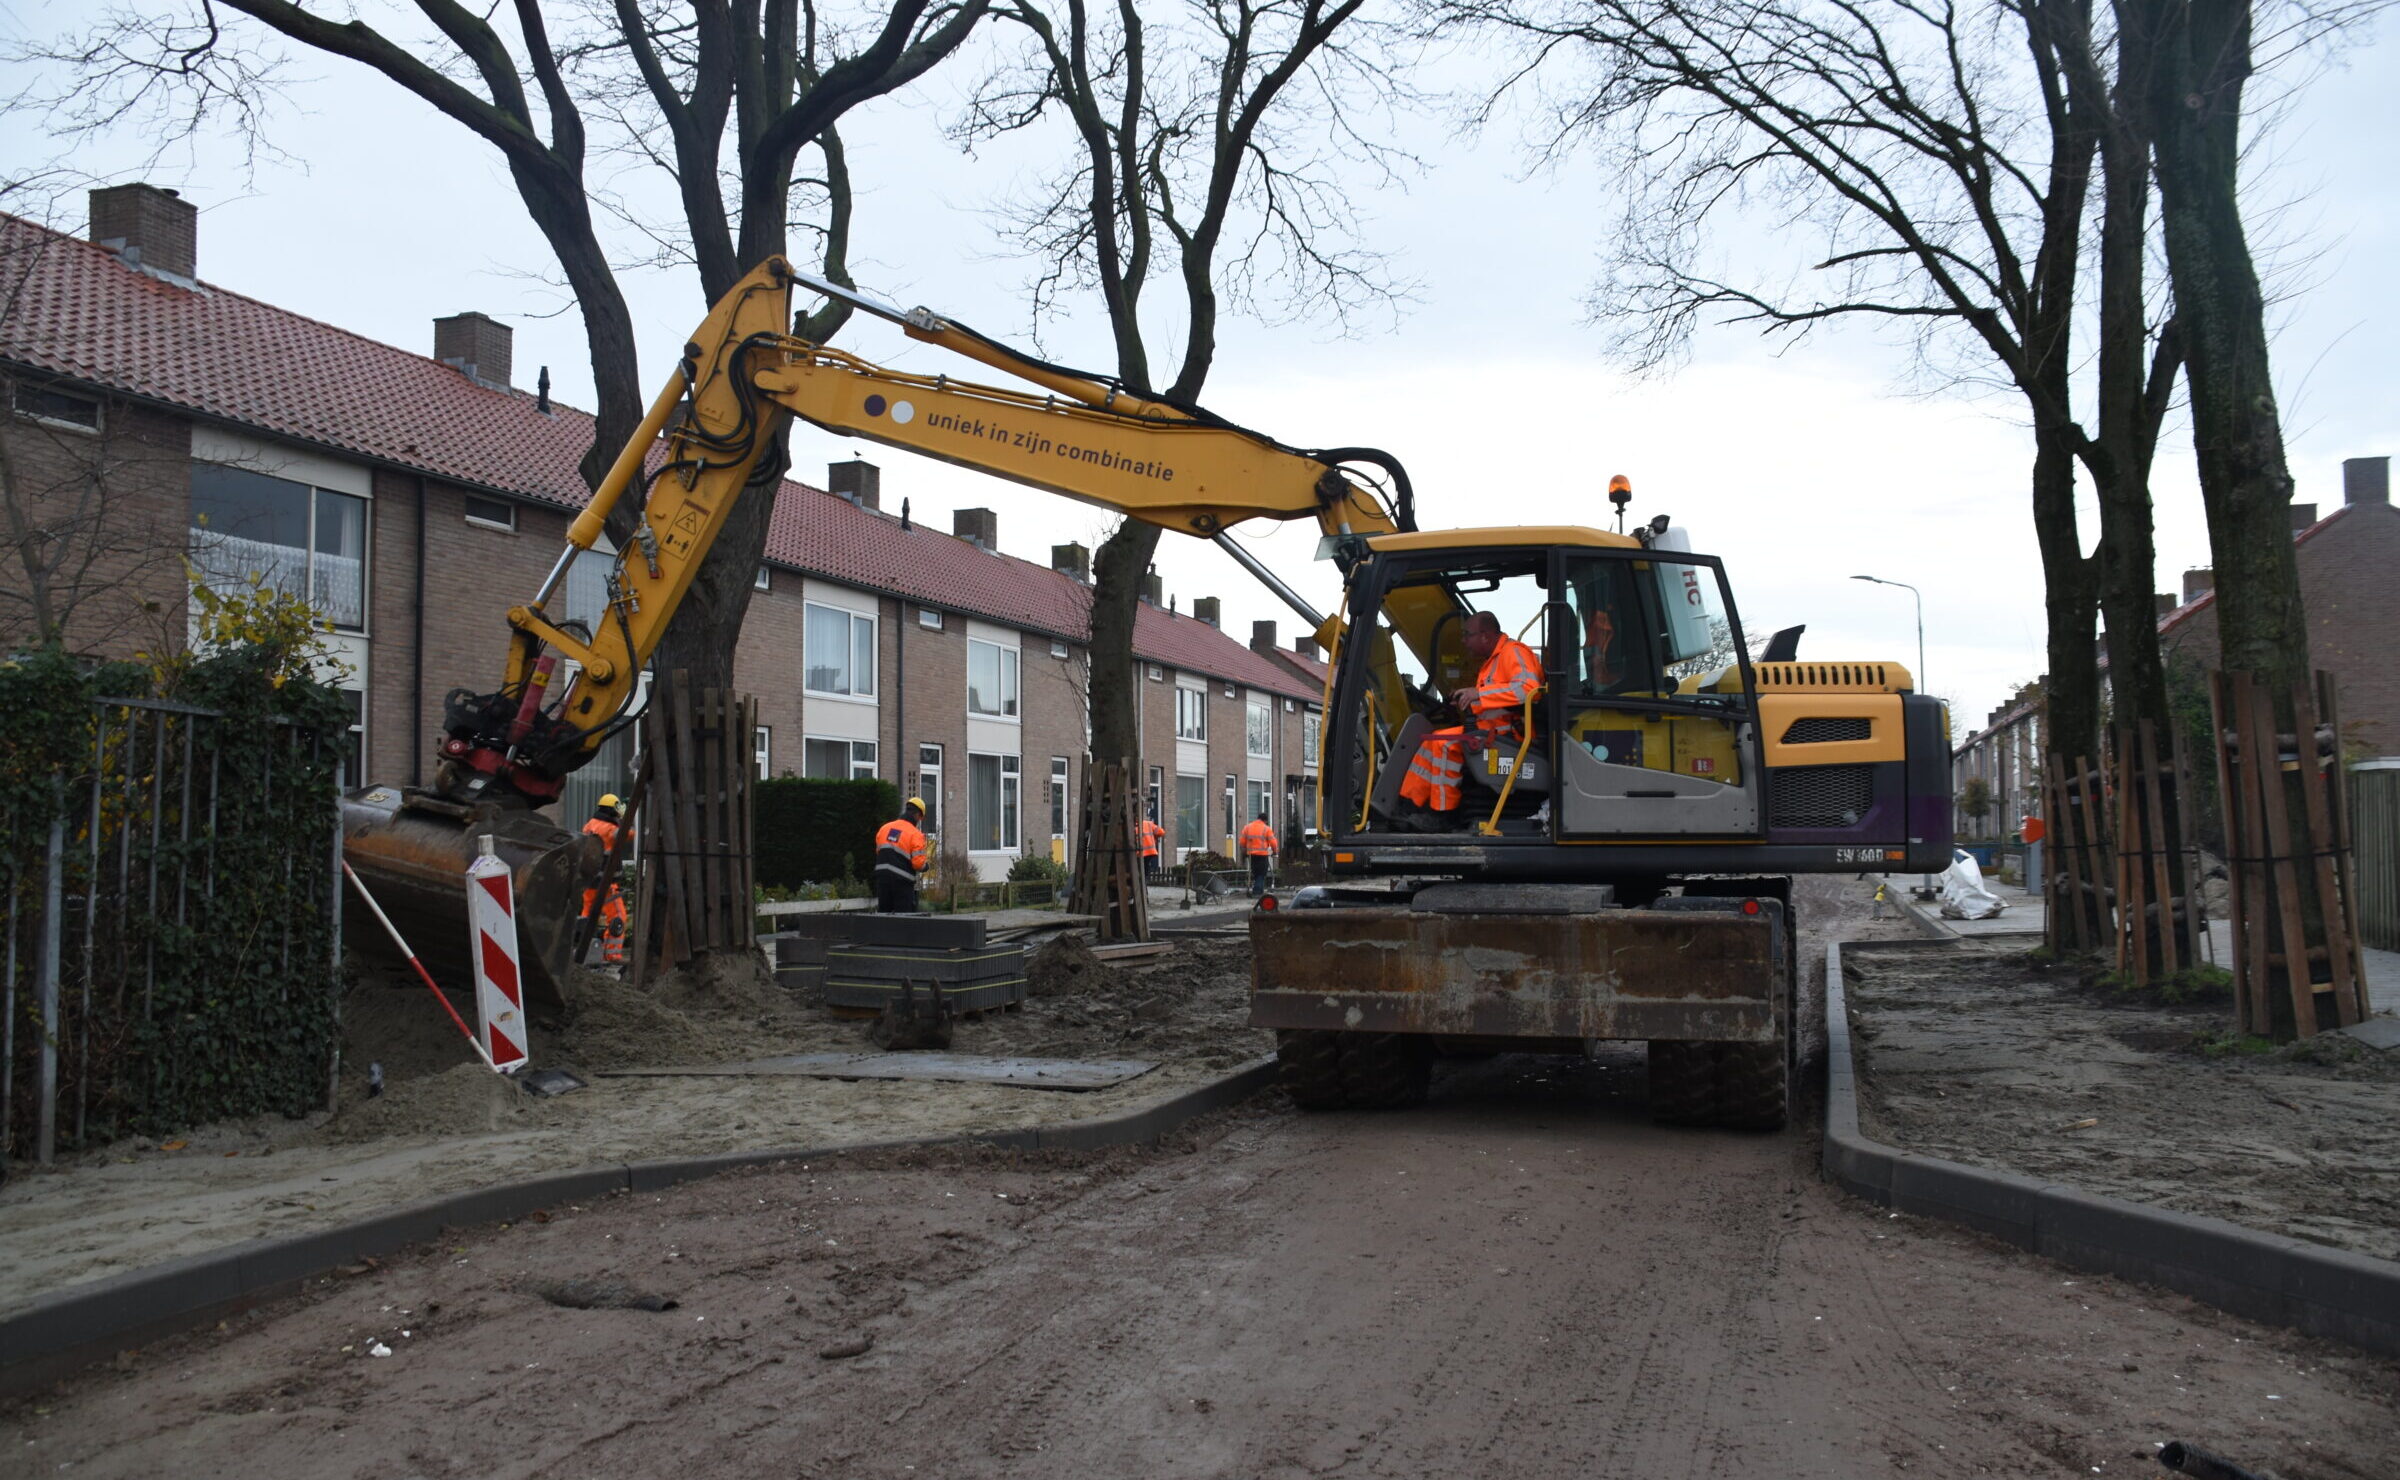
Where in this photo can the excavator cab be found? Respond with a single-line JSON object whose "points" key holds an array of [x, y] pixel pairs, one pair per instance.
{"points": [[1643, 694]]}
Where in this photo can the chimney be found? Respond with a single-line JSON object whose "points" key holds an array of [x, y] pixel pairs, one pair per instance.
{"points": [[153, 229], [980, 525], [2303, 515], [2165, 602], [1154, 589], [1072, 560], [1207, 609], [857, 480], [1262, 637], [2198, 583], [476, 344], [2366, 480]]}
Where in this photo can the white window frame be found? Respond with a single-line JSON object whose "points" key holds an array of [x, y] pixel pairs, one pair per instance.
{"points": [[1310, 724], [1232, 691], [1011, 675], [1197, 703], [929, 619], [763, 581], [99, 406], [1058, 797], [1258, 728], [872, 763], [467, 512], [1011, 801], [1157, 674], [367, 541], [762, 749], [930, 795], [810, 614], [1058, 649]]}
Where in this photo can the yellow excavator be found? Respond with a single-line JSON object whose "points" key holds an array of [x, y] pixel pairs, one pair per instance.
{"points": [[1614, 859]]}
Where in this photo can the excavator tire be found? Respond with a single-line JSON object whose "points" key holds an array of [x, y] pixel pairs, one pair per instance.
{"points": [[1386, 1071], [1751, 1088], [1683, 1082], [1309, 1063]]}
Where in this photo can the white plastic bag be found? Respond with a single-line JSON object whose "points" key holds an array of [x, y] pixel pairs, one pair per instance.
{"points": [[1963, 894]]}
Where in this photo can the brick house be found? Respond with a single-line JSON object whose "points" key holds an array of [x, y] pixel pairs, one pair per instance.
{"points": [[2347, 560], [151, 417]]}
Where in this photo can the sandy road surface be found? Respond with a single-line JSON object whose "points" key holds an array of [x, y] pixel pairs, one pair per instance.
{"points": [[1523, 1279]]}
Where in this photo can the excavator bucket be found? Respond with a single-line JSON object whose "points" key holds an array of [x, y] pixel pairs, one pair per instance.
{"points": [[412, 852]]}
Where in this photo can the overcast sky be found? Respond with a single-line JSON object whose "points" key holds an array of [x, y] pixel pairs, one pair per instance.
{"points": [[1801, 467]]}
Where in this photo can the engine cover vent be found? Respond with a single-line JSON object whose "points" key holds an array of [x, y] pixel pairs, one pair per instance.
{"points": [[1819, 796], [1822, 729]]}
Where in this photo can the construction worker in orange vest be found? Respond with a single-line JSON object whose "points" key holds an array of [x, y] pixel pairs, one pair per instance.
{"points": [[1258, 841], [607, 818], [901, 855], [1507, 674], [1152, 836]]}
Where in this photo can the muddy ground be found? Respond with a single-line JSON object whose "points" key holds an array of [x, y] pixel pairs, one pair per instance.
{"points": [[1523, 1279], [1979, 1055], [444, 1123]]}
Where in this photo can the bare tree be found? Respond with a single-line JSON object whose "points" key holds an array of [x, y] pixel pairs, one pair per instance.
{"points": [[728, 98], [1216, 146]]}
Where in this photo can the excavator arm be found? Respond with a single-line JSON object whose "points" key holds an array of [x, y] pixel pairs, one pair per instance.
{"points": [[1081, 436]]}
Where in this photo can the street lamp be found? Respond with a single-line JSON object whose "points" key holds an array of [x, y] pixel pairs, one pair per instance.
{"points": [[1924, 890], [1913, 591]]}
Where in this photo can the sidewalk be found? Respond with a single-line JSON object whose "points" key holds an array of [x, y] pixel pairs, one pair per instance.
{"points": [[2023, 915]]}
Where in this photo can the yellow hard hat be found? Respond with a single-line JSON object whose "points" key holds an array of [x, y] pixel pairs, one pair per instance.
{"points": [[916, 802], [610, 802]]}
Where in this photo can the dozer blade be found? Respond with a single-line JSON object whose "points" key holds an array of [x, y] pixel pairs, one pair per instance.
{"points": [[412, 850]]}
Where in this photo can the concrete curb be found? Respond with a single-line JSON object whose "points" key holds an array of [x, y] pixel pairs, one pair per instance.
{"points": [[2266, 1277], [76, 1327]]}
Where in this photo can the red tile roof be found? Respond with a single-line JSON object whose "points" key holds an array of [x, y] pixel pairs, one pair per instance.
{"points": [[83, 314]]}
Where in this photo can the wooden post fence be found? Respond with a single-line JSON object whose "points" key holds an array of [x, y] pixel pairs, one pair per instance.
{"points": [[1108, 874], [696, 893], [2078, 892], [2293, 876]]}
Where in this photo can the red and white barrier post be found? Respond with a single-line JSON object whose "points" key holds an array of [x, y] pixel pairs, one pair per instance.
{"points": [[492, 945]]}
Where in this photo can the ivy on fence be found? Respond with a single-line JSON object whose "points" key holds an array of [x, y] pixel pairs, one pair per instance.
{"points": [[198, 801]]}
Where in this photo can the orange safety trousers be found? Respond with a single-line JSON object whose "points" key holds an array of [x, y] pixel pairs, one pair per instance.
{"points": [[613, 919], [1508, 678]]}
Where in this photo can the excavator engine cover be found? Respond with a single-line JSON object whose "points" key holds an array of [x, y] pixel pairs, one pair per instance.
{"points": [[412, 852]]}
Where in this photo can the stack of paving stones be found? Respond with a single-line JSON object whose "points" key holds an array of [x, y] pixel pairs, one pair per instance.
{"points": [[799, 951], [941, 953]]}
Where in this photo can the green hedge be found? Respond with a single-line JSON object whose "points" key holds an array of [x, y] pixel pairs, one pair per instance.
{"points": [[808, 831]]}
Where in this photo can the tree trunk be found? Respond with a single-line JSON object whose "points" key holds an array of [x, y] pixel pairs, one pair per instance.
{"points": [[1117, 572], [2203, 51], [2071, 689]]}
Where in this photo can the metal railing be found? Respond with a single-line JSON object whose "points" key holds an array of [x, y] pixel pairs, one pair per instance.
{"points": [[138, 844], [2375, 832]]}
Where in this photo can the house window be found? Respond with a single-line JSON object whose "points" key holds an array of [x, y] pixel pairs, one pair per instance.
{"points": [[1058, 649], [1231, 692], [991, 679], [1233, 824], [57, 408], [1191, 714], [1157, 673], [841, 651], [1157, 797], [1058, 796], [1291, 706], [929, 785], [311, 542], [1309, 724], [929, 619], [992, 783], [491, 513], [1261, 732], [763, 581], [1257, 800], [762, 750], [838, 760], [1191, 812]]}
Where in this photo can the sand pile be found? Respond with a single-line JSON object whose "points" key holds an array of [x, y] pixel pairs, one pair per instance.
{"points": [[466, 1099], [720, 1009], [1062, 966]]}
